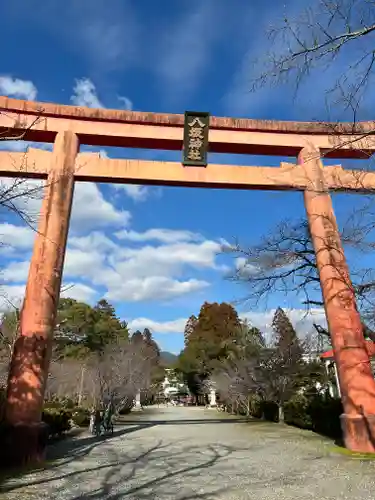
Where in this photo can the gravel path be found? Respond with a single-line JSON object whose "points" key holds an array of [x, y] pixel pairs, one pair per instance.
{"points": [[192, 453]]}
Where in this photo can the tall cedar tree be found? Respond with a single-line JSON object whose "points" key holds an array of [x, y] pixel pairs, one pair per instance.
{"points": [[210, 339], [285, 365], [286, 340], [145, 342], [190, 327]]}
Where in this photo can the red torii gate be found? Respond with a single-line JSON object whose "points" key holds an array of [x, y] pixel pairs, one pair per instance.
{"points": [[69, 126]]}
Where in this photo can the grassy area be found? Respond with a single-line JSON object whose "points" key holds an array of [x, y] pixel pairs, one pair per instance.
{"points": [[352, 454]]}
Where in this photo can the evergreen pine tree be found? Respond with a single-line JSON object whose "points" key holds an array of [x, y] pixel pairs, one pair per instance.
{"points": [[286, 340], [190, 327]]}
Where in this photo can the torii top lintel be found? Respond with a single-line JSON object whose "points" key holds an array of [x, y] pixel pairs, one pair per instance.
{"points": [[106, 127]]}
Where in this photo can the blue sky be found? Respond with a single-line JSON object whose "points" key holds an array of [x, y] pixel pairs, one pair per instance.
{"points": [[153, 252]]}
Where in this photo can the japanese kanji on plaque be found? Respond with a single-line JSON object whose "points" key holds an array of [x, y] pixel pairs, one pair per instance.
{"points": [[196, 138]]}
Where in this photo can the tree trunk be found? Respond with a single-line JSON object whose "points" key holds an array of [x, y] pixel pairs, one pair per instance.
{"points": [[80, 394]]}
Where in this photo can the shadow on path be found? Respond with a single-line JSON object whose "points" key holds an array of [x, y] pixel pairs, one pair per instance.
{"points": [[157, 472], [92, 468], [151, 422], [75, 449]]}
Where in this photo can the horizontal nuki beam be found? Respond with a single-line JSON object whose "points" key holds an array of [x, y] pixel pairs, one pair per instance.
{"points": [[91, 167], [100, 127]]}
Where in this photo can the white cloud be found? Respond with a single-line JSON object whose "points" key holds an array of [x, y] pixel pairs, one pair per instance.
{"points": [[300, 318], [11, 296], [15, 272], [127, 103], [20, 89], [146, 273], [15, 87], [133, 274], [84, 94], [91, 209], [153, 288], [16, 236], [134, 191], [85, 264], [78, 291], [159, 234], [244, 268], [174, 326], [26, 195], [165, 260], [302, 322], [96, 241]]}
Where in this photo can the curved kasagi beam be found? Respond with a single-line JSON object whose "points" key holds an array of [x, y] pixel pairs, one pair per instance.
{"points": [[37, 121]]}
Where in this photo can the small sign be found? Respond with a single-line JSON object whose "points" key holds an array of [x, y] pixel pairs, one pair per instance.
{"points": [[196, 138]]}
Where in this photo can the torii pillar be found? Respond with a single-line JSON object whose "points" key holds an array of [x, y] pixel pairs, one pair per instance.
{"points": [[356, 379], [26, 434]]}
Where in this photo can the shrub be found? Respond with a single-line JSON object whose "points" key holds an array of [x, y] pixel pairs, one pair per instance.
{"points": [[260, 408], [58, 420], [255, 407], [68, 403], [53, 404], [126, 407], [319, 413], [270, 411], [81, 417], [296, 412], [325, 415]]}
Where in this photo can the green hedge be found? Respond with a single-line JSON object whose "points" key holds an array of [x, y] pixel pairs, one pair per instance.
{"points": [[319, 413], [270, 411], [258, 408], [58, 420], [264, 409], [81, 417], [58, 415]]}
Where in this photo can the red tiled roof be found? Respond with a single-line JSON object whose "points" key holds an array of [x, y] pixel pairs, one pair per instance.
{"points": [[370, 347]]}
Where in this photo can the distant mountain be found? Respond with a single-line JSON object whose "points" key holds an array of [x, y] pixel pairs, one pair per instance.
{"points": [[167, 358]]}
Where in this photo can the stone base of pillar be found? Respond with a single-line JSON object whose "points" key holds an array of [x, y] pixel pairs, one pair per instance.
{"points": [[23, 444], [137, 407], [359, 432]]}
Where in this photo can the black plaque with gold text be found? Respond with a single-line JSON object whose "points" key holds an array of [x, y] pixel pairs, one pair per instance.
{"points": [[196, 138]]}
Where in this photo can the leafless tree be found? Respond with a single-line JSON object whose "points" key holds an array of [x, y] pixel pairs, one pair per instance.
{"points": [[259, 371], [8, 332], [324, 32], [122, 370], [18, 195], [284, 262], [64, 379]]}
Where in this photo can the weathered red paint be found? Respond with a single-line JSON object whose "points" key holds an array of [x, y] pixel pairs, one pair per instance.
{"points": [[68, 126], [31, 356], [357, 382]]}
